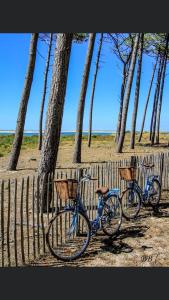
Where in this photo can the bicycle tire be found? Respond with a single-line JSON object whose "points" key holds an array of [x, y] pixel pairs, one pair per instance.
{"points": [[159, 195], [54, 223], [109, 214], [129, 192]]}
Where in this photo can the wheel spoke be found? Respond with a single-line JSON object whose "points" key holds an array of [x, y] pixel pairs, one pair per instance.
{"points": [[112, 216], [72, 238], [130, 203], [154, 193]]}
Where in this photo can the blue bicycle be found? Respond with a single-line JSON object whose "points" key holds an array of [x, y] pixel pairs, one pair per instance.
{"points": [[134, 196], [70, 230]]}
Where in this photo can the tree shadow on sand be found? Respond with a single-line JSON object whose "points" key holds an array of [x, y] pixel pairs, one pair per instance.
{"points": [[27, 169], [161, 145]]}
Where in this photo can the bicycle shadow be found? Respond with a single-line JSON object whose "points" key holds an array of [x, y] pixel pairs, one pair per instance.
{"points": [[158, 212], [133, 231], [116, 248], [101, 244], [116, 245], [164, 205]]}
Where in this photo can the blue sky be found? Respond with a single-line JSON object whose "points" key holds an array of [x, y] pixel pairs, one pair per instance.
{"points": [[14, 49]]}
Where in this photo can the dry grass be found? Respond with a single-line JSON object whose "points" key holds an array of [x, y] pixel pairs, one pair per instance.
{"points": [[102, 149]]}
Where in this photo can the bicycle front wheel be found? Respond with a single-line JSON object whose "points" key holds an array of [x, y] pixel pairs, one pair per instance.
{"points": [[131, 203], [112, 216], [68, 235]]}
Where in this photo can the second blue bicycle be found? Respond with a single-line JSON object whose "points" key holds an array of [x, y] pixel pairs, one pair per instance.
{"points": [[134, 196]]}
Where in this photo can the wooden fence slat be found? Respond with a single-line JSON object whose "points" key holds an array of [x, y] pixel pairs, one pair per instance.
{"points": [[21, 224], [57, 211], [2, 222], [37, 213], [48, 202], [33, 217], [15, 223], [27, 216], [42, 220], [52, 203], [8, 223]]}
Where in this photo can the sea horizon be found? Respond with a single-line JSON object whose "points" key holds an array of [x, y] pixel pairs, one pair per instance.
{"points": [[29, 130], [63, 133]]}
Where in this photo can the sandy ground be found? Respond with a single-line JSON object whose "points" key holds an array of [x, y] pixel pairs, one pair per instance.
{"points": [[141, 243]]}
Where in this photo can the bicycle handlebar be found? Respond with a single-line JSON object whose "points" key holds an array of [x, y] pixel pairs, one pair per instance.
{"points": [[144, 165], [87, 177]]}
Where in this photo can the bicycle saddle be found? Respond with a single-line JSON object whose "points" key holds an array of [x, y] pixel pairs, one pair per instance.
{"points": [[102, 190]]}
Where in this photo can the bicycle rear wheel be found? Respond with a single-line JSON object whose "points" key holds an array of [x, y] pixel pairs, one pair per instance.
{"points": [[68, 235], [131, 203], [154, 193], [112, 216]]}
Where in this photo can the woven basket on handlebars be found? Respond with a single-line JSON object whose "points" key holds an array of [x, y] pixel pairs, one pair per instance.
{"points": [[66, 188], [127, 173]]}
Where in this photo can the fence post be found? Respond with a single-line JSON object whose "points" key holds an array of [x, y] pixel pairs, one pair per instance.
{"points": [[133, 161], [15, 222], [161, 167], [2, 221], [8, 223], [21, 224]]}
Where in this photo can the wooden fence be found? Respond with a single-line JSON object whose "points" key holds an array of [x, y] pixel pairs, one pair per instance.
{"points": [[23, 224]]}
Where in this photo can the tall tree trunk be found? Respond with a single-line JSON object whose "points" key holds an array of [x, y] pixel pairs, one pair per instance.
{"points": [[121, 103], [156, 103], [55, 109], [161, 92], [23, 104], [155, 94], [147, 101], [44, 92], [93, 90], [126, 67], [80, 113], [137, 91], [160, 104], [127, 95]]}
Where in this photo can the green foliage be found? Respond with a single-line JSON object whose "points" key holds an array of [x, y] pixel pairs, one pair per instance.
{"points": [[80, 37], [31, 142], [153, 42], [7, 140]]}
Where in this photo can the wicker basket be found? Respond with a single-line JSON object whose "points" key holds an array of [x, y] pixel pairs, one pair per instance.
{"points": [[66, 188], [128, 174]]}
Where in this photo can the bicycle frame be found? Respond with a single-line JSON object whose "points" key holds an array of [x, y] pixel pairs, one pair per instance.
{"points": [[96, 223], [144, 193]]}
